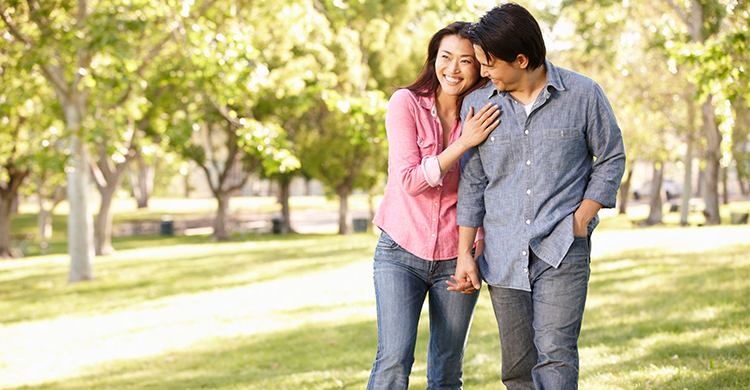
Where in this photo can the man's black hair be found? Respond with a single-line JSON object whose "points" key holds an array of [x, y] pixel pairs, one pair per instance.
{"points": [[507, 31]]}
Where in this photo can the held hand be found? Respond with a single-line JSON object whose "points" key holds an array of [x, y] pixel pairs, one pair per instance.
{"points": [[466, 278], [477, 127]]}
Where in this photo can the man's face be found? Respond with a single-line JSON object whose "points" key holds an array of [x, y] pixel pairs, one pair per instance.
{"points": [[505, 75]]}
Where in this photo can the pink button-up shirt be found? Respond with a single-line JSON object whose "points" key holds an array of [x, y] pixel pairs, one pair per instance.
{"points": [[419, 207]]}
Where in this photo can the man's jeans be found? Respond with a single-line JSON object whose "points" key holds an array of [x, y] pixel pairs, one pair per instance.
{"points": [[539, 329], [402, 281]]}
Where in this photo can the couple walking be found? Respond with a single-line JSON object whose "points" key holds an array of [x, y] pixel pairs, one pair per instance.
{"points": [[540, 153]]}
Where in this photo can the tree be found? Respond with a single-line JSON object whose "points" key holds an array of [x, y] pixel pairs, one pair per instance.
{"points": [[26, 132], [702, 19], [353, 130]]}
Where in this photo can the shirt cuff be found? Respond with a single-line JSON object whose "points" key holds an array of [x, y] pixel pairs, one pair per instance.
{"points": [[480, 234], [431, 171]]}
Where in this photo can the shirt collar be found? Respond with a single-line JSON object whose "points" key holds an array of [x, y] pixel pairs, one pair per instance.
{"points": [[427, 102], [553, 80]]}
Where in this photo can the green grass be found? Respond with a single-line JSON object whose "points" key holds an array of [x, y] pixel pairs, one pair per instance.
{"points": [[668, 308]]}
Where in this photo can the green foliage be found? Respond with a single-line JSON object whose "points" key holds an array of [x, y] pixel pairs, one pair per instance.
{"points": [[722, 63]]}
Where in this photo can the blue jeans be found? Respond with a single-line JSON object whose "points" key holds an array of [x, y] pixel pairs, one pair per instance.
{"points": [[539, 329], [402, 281]]}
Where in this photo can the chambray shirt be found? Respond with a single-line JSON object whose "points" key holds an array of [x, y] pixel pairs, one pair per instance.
{"points": [[525, 181]]}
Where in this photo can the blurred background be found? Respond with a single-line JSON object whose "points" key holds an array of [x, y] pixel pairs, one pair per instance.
{"points": [[129, 123]]}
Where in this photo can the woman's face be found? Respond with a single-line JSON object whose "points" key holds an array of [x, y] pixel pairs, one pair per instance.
{"points": [[456, 67]]}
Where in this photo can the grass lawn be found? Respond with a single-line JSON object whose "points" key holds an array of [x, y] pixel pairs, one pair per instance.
{"points": [[668, 308]]}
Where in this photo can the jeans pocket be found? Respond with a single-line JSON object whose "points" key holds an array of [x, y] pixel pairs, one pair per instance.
{"points": [[386, 242], [582, 246]]}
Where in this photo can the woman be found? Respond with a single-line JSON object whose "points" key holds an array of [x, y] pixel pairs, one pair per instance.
{"points": [[417, 250]]}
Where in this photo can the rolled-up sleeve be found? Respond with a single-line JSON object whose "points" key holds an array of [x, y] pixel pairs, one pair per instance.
{"points": [[406, 163], [470, 209], [604, 140], [431, 171]]}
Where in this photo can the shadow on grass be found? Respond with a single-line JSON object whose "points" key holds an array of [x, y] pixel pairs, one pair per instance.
{"points": [[671, 321], [40, 290]]}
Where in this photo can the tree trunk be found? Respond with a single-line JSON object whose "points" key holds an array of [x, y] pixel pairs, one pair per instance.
{"points": [[6, 216], [103, 224], [8, 195], [220, 225], [687, 187], [284, 192], [80, 219], [624, 191], [187, 185], [141, 180], [14, 203], [656, 212], [740, 135], [44, 218], [725, 184], [713, 157], [345, 219], [44, 224]]}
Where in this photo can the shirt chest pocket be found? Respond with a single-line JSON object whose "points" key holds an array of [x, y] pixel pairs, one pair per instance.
{"points": [[563, 148], [427, 147], [497, 155]]}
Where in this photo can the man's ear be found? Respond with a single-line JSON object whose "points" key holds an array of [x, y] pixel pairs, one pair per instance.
{"points": [[523, 61]]}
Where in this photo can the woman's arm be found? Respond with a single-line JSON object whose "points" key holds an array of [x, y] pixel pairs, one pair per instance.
{"points": [[474, 130]]}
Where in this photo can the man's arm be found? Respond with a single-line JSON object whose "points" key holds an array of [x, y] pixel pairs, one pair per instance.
{"points": [[585, 213], [604, 140]]}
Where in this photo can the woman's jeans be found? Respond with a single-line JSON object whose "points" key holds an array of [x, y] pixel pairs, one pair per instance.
{"points": [[402, 281], [539, 329]]}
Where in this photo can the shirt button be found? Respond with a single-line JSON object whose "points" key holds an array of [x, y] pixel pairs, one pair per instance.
{"points": [[526, 132], [528, 192], [440, 144], [438, 188], [433, 235], [492, 139], [528, 221], [523, 253], [528, 162], [525, 270], [434, 219], [435, 204]]}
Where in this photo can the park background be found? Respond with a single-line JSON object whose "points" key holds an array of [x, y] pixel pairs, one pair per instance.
{"points": [[180, 181]]}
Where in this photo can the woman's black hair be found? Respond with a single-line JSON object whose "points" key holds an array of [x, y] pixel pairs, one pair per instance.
{"points": [[507, 31]]}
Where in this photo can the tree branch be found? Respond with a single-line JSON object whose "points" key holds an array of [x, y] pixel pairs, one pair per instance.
{"points": [[680, 12], [12, 29]]}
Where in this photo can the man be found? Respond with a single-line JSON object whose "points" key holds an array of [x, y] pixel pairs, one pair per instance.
{"points": [[535, 184]]}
